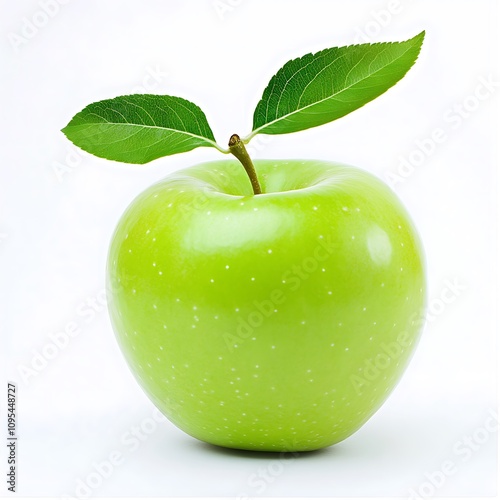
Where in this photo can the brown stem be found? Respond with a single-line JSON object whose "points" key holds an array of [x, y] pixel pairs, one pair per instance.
{"points": [[237, 148]]}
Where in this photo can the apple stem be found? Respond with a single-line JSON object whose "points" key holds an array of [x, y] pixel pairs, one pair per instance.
{"points": [[237, 148]]}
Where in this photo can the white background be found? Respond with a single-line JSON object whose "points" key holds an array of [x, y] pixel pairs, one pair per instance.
{"points": [[54, 234]]}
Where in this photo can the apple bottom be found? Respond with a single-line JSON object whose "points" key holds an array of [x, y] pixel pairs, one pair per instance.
{"points": [[276, 322]]}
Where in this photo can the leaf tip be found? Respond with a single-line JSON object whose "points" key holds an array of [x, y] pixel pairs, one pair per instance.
{"points": [[420, 37]]}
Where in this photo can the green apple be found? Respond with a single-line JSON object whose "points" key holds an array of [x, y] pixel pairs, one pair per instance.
{"points": [[273, 322]]}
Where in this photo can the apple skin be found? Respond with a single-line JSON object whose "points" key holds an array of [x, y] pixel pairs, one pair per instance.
{"points": [[276, 322]]}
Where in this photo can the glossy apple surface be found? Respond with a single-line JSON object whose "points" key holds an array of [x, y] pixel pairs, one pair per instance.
{"points": [[280, 321]]}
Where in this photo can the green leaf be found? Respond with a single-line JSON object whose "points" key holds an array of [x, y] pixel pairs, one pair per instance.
{"points": [[319, 88], [140, 128]]}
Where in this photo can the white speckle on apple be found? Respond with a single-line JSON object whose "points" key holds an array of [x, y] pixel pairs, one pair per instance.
{"points": [[227, 266], [193, 326], [303, 322], [320, 236], [135, 333], [169, 205], [315, 208], [154, 264], [329, 292], [340, 324], [332, 344], [345, 209], [270, 251], [252, 279], [237, 309], [158, 359], [154, 239], [160, 273], [323, 270], [155, 306], [212, 280], [371, 338], [346, 349], [276, 310], [195, 308], [126, 236], [364, 309], [353, 237], [129, 250], [255, 209], [134, 291], [216, 317], [161, 348], [196, 318], [148, 231], [272, 347], [242, 203]]}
